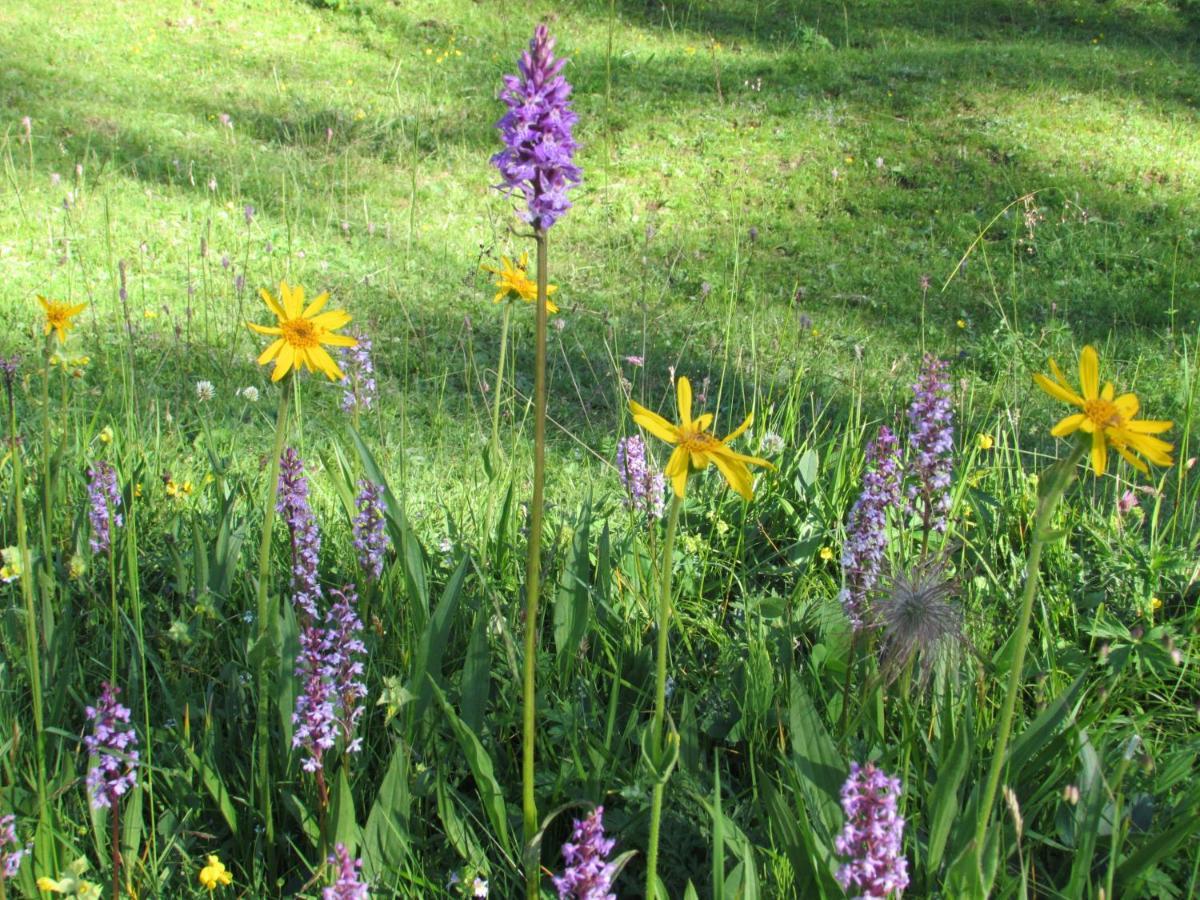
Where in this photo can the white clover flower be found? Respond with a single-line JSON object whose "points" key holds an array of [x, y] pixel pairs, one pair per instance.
{"points": [[250, 394], [204, 391]]}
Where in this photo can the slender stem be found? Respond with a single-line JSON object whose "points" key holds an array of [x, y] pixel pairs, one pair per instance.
{"points": [[116, 849], [47, 504], [660, 690], [33, 656], [500, 380], [261, 732], [1047, 504], [533, 578]]}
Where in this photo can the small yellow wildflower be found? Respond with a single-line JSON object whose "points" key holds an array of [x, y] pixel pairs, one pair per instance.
{"points": [[106, 434], [985, 442], [72, 884], [1109, 419], [1155, 604], [961, 323], [76, 567], [215, 874], [300, 332], [179, 489], [695, 447], [827, 553], [11, 568], [58, 317], [511, 281], [149, 314]]}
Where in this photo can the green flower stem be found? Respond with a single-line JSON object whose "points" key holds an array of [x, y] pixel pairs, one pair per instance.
{"points": [[47, 583], [500, 380], [31, 643], [533, 581], [660, 690], [261, 731], [1047, 504]]}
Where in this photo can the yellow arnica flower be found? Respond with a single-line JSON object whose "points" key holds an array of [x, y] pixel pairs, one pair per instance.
{"points": [[58, 317], [215, 874], [695, 447], [301, 332], [511, 281], [1109, 419]]}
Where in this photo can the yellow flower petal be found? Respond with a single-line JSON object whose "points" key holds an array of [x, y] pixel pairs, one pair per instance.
{"points": [[677, 471], [1069, 425], [736, 474], [315, 307], [271, 352], [654, 423], [1089, 373], [1099, 452], [1054, 389], [737, 432], [683, 401], [284, 361]]}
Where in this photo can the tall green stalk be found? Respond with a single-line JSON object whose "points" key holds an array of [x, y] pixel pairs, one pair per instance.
{"points": [[31, 641], [1052, 486], [660, 692], [533, 564], [261, 730]]}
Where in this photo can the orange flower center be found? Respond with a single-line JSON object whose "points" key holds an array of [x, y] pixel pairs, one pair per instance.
{"points": [[300, 333], [1103, 413], [697, 441], [57, 316]]}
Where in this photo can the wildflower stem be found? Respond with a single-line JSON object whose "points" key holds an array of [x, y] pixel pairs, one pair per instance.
{"points": [[261, 733], [1047, 504], [660, 690], [47, 504], [500, 380], [533, 577], [31, 645]]}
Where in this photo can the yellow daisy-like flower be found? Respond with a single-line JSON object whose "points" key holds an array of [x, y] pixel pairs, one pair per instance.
{"points": [[695, 447], [58, 317], [827, 553], [985, 442], [301, 332], [215, 874], [1109, 419], [511, 281]]}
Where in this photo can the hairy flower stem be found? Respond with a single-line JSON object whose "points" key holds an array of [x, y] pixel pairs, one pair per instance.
{"points": [[1047, 504], [32, 653], [660, 691], [47, 584], [500, 379], [533, 562], [261, 731]]}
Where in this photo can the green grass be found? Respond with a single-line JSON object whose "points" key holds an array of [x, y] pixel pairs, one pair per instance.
{"points": [[766, 185]]}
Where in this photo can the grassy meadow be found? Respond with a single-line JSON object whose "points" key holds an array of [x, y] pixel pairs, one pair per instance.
{"points": [[788, 203]]}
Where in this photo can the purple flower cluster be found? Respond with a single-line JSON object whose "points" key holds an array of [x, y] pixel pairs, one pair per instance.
{"points": [[347, 886], [872, 836], [11, 849], [536, 130], [931, 418], [589, 874], [359, 381], [330, 668], [306, 539], [105, 499], [866, 541], [112, 748], [645, 488], [370, 530]]}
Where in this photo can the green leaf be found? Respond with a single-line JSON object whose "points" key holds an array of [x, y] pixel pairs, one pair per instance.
{"points": [[1158, 847], [943, 799], [482, 771], [345, 821], [817, 761], [571, 600], [476, 674], [212, 782], [432, 645], [1041, 730], [385, 840]]}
